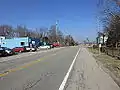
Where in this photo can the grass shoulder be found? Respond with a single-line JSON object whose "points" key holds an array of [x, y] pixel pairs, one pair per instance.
{"points": [[112, 65]]}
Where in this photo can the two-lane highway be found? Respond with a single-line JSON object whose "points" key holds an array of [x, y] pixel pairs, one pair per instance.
{"points": [[40, 71]]}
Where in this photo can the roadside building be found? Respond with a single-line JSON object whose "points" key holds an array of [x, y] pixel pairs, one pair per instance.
{"points": [[20, 42]]}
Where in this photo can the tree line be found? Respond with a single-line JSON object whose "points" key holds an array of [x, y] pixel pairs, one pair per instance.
{"points": [[109, 15], [48, 35]]}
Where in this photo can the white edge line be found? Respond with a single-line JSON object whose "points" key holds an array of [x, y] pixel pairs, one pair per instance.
{"points": [[68, 73]]}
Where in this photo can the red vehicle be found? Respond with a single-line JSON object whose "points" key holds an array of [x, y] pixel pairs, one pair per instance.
{"points": [[56, 45], [19, 49]]}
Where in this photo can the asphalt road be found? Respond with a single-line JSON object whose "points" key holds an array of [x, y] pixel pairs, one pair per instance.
{"points": [[88, 75], [37, 71]]}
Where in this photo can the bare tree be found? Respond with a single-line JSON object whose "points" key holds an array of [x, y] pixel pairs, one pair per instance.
{"points": [[7, 31], [22, 31], [69, 41], [110, 17], [52, 34]]}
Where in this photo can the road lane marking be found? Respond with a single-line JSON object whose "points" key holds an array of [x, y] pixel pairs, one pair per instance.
{"points": [[4, 74], [21, 67], [62, 86], [26, 65]]}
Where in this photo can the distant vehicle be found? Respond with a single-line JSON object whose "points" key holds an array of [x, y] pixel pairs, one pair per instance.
{"points": [[45, 47], [19, 49], [51, 45], [4, 51], [27, 48], [56, 45]]}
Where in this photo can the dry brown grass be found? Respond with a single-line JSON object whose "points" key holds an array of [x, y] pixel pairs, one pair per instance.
{"points": [[112, 64]]}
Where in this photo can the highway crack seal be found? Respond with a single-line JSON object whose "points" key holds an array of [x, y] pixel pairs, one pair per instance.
{"points": [[76, 78], [81, 80], [32, 83]]}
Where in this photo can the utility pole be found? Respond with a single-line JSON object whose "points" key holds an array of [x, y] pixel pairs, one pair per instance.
{"points": [[56, 29]]}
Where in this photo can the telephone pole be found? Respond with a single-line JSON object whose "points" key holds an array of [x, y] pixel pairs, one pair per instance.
{"points": [[56, 30]]}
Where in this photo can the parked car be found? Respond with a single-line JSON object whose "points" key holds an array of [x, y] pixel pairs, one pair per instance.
{"points": [[19, 49], [56, 44], [45, 47], [51, 45], [4, 51], [27, 48]]}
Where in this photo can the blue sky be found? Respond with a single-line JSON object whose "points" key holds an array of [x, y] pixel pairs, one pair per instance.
{"points": [[76, 17]]}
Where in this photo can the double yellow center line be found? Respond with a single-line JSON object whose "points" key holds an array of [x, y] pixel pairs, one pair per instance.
{"points": [[22, 67], [26, 65]]}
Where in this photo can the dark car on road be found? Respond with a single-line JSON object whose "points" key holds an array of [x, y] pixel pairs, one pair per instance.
{"points": [[4, 51]]}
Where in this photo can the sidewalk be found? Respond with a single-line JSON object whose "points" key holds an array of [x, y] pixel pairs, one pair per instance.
{"points": [[87, 75]]}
